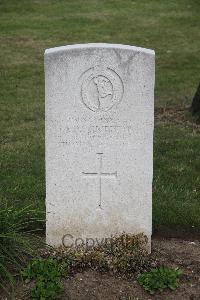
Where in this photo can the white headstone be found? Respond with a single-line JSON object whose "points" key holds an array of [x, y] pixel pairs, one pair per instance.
{"points": [[99, 141]]}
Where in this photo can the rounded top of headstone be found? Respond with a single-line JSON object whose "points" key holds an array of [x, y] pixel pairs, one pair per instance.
{"points": [[99, 46]]}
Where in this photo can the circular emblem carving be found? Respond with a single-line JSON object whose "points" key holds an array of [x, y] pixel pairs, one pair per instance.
{"points": [[101, 89]]}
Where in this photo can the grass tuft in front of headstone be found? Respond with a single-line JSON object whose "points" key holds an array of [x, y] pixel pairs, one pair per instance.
{"points": [[159, 279], [122, 254], [18, 241], [47, 274]]}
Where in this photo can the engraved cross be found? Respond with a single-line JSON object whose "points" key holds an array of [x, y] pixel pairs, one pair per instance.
{"points": [[100, 175]]}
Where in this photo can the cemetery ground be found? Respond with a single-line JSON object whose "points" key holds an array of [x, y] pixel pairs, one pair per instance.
{"points": [[169, 27]]}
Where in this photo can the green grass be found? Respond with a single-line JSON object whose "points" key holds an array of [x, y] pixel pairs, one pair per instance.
{"points": [[169, 27], [17, 242], [176, 177]]}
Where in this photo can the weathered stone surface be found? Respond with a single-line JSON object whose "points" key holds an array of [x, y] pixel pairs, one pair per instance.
{"points": [[99, 141]]}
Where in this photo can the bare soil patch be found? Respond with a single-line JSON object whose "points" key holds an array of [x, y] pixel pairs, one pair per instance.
{"points": [[180, 232], [93, 285], [181, 116]]}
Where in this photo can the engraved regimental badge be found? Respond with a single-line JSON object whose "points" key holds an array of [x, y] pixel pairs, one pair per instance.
{"points": [[101, 89]]}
